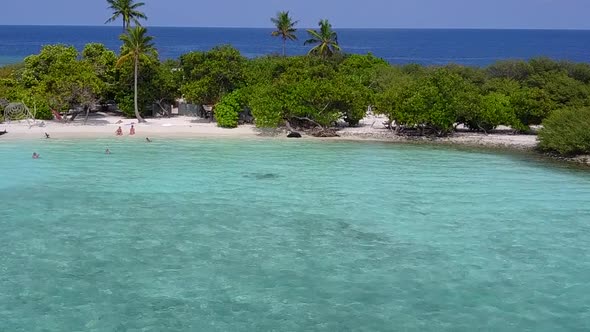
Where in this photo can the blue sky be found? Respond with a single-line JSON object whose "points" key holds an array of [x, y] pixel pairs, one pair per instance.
{"points": [[536, 14]]}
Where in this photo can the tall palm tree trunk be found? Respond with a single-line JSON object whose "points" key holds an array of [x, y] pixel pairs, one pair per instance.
{"points": [[137, 115], [284, 41]]}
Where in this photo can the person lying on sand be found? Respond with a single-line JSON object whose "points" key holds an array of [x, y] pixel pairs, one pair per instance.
{"points": [[119, 131]]}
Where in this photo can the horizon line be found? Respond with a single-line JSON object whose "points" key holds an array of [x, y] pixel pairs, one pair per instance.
{"points": [[267, 27]]}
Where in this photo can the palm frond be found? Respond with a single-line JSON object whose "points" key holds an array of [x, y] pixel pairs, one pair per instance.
{"points": [[112, 19], [314, 37], [285, 26], [137, 5], [123, 58], [127, 10], [325, 38], [138, 14]]}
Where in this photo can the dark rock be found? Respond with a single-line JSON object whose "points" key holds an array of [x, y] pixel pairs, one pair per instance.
{"points": [[294, 134], [266, 176], [262, 176], [325, 133], [3, 132]]}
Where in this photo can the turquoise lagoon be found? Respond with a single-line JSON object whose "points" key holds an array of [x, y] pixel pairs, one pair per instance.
{"points": [[261, 235]]}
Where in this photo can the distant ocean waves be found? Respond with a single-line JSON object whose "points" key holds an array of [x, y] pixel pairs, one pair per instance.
{"points": [[398, 46]]}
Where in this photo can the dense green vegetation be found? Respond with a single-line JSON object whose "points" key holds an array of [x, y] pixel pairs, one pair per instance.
{"points": [[228, 109], [322, 89], [307, 91], [567, 132]]}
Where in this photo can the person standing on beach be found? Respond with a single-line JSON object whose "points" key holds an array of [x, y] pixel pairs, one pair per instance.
{"points": [[119, 131], [132, 130]]}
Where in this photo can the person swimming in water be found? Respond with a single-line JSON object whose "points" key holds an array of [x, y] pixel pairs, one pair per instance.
{"points": [[46, 135], [36, 155], [148, 140], [107, 151]]}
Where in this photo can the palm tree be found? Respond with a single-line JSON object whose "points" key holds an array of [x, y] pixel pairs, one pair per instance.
{"points": [[326, 40], [128, 10], [285, 27], [136, 46]]}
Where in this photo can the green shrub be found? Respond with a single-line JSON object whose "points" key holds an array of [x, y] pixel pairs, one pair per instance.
{"points": [[492, 110], [127, 106], [228, 109], [566, 132], [38, 106], [517, 70], [43, 113], [531, 105], [434, 101], [267, 106]]}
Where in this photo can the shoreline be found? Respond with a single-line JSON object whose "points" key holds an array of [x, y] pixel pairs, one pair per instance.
{"points": [[183, 127], [369, 129], [475, 140]]}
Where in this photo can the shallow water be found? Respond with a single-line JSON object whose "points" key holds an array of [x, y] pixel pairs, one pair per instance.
{"points": [[218, 235]]}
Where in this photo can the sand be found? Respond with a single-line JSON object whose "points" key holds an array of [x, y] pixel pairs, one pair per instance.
{"points": [[101, 125], [373, 128]]}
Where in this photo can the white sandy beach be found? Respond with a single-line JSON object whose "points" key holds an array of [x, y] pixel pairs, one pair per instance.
{"points": [[371, 128], [101, 125]]}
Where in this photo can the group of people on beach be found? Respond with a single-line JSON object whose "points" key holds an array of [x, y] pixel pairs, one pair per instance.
{"points": [[119, 131]]}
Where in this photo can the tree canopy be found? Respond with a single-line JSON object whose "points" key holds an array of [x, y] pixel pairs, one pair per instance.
{"points": [[306, 91], [208, 76], [137, 45], [566, 132], [325, 40], [128, 10], [285, 27], [58, 79]]}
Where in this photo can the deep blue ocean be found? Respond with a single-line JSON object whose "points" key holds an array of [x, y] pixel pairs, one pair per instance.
{"points": [[399, 46]]}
